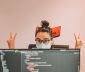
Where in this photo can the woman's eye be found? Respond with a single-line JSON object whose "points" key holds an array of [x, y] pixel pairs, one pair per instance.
{"points": [[38, 40], [45, 41]]}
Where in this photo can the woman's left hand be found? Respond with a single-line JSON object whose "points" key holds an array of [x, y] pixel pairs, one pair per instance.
{"points": [[78, 41]]}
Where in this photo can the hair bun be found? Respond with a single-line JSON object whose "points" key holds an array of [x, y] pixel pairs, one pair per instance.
{"points": [[44, 23]]}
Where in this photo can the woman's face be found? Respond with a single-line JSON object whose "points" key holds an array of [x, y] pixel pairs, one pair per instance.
{"points": [[43, 40]]}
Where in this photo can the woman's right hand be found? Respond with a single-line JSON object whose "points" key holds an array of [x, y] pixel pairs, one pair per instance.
{"points": [[11, 41]]}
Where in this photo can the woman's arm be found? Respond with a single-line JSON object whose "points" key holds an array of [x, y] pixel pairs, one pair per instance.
{"points": [[11, 41]]}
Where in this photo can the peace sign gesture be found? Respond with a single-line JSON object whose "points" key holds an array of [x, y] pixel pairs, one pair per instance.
{"points": [[11, 40], [78, 41]]}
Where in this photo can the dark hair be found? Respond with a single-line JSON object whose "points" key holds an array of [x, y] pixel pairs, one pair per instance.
{"points": [[44, 28]]}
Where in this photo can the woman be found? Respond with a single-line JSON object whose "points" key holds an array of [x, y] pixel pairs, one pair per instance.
{"points": [[43, 37]]}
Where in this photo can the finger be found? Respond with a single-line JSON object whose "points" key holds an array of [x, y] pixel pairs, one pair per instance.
{"points": [[79, 36], [81, 42], [75, 36], [15, 35], [31, 69], [31, 65], [10, 35], [7, 41]]}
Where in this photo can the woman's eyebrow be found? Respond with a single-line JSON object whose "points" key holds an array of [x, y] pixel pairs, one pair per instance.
{"points": [[46, 38], [37, 38]]}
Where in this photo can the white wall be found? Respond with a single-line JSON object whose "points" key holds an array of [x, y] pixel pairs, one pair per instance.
{"points": [[22, 16]]}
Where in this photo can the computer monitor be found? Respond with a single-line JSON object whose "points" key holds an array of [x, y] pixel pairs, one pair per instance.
{"points": [[44, 60]]}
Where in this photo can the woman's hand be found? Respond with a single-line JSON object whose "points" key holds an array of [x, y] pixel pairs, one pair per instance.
{"points": [[78, 41], [31, 67], [11, 41]]}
